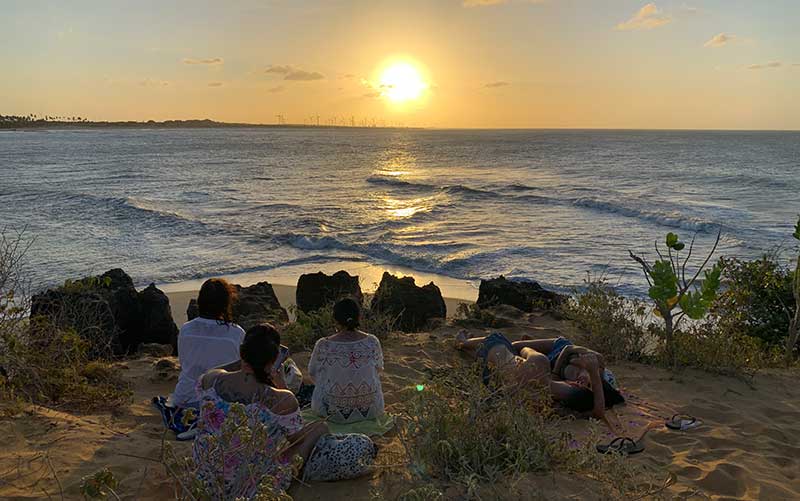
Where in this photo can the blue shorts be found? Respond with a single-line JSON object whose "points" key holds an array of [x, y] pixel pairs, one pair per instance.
{"points": [[492, 340], [558, 346]]}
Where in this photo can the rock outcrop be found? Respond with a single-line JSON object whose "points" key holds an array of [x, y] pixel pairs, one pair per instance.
{"points": [[256, 304], [413, 306], [109, 312], [317, 290], [525, 296]]}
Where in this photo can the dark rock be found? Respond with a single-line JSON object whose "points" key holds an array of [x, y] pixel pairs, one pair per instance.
{"points": [[317, 290], [413, 306], [525, 296], [155, 349], [109, 312], [256, 304]]}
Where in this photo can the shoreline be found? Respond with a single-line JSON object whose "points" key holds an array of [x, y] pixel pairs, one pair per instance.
{"points": [[284, 282]]}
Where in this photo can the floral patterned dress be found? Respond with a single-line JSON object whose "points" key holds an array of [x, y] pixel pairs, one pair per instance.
{"points": [[238, 449]]}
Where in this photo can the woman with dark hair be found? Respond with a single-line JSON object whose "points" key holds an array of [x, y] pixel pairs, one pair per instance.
{"points": [[257, 385], [346, 370], [208, 341]]}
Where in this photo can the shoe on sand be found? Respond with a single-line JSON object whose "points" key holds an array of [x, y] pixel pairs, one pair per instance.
{"points": [[682, 422], [621, 445]]}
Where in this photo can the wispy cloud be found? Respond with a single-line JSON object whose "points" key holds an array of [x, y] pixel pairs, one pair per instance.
{"points": [[647, 18], [279, 88], [151, 82], [215, 84], [372, 95], [291, 73], [489, 3], [764, 66], [492, 85], [208, 61], [720, 40]]}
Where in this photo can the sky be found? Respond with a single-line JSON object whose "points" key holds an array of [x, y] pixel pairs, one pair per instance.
{"points": [[681, 64]]}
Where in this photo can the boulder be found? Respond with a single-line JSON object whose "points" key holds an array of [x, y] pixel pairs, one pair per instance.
{"points": [[525, 296], [256, 304], [413, 306], [317, 290], [109, 312]]}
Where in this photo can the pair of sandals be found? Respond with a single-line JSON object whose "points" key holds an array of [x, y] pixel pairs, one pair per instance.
{"points": [[627, 445]]}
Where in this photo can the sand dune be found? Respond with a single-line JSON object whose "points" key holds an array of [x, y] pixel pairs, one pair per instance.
{"points": [[747, 447]]}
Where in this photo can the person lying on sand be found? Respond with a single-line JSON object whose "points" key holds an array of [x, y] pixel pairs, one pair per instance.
{"points": [[346, 370], [523, 363], [208, 341], [259, 386]]}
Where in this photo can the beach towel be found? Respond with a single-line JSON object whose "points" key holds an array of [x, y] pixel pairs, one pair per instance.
{"points": [[371, 427]]}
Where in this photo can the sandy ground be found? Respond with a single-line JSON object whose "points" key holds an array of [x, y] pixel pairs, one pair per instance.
{"points": [[747, 448]]}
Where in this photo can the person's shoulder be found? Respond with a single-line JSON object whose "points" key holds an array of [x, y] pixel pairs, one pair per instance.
{"points": [[285, 402], [372, 338], [208, 379]]}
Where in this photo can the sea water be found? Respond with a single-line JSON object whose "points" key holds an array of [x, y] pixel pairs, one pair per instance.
{"points": [[554, 206]]}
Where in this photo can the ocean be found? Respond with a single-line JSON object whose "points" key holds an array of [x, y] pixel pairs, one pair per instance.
{"points": [[555, 206]]}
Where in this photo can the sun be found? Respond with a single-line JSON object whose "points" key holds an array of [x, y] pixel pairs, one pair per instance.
{"points": [[401, 82]]}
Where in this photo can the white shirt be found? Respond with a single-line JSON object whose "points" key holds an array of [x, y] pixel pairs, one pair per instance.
{"points": [[203, 344], [347, 379]]}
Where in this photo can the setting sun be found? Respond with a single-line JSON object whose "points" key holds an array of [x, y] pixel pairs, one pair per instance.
{"points": [[402, 82]]}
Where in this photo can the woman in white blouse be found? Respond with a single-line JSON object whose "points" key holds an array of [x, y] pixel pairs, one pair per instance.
{"points": [[346, 370]]}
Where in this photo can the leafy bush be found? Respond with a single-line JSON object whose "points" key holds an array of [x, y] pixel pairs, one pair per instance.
{"points": [[674, 296], [51, 366], [609, 323], [307, 328]]}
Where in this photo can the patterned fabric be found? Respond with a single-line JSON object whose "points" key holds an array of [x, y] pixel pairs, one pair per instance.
{"points": [[347, 381], [340, 457], [243, 467]]}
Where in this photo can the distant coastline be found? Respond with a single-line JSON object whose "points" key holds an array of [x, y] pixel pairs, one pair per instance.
{"points": [[28, 123]]}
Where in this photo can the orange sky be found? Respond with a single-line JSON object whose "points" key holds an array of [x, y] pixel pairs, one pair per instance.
{"points": [[723, 64]]}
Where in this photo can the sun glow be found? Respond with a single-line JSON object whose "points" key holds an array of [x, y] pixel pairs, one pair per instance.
{"points": [[401, 82]]}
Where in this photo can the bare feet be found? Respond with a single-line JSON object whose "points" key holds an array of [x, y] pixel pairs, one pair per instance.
{"points": [[461, 338]]}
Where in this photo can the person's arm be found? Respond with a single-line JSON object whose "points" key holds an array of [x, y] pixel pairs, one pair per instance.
{"points": [[313, 362], [232, 367], [589, 362], [378, 354]]}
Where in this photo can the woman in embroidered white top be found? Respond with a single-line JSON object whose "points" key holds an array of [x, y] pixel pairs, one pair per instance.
{"points": [[346, 370]]}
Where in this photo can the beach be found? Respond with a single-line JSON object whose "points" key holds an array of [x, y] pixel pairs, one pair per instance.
{"points": [[746, 447]]}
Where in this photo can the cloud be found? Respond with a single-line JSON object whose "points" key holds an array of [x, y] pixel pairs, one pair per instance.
{"points": [[719, 40], [276, 89], [373, 95], [150, 82], [795, 64], [215, 84], [489, 3], [771, 64], [292, 73], [209, 61], [492, 85], [647, 18]]}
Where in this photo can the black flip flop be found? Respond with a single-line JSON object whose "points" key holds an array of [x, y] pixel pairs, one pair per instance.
{"points": [[621, 445], [682, 422]]}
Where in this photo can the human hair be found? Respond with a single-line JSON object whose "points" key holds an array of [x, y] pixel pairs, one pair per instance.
{"points": [[347, 313], [215, 300], [579, 399], [260, 350]]}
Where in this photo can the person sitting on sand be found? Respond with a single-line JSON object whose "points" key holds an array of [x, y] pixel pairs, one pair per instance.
{"points": [[524, 365], [346, 370], [258, 385], [208, 341]]}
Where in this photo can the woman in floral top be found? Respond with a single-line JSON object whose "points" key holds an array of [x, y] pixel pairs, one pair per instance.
{"points": [[346, 370], [252, 421]]}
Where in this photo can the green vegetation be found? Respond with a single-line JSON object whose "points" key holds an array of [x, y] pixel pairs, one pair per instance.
{"points": [[674, 296], [458, 430], [307, 328]]}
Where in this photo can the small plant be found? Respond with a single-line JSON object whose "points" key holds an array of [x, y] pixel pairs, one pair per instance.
{"points": [[791, 339], [608, 322], [675, 296], [307, 328], [100, 485]]}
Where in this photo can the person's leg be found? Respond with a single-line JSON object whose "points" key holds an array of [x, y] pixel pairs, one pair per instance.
{"points": [[541, 345], [303, 442], [536, 367], [467, 344]]}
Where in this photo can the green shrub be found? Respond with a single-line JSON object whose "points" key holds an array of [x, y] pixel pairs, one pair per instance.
{"points": [[473, 316], [609, 323], [756, 298], [307, 328]]}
